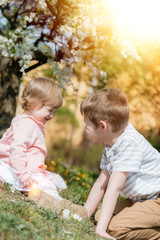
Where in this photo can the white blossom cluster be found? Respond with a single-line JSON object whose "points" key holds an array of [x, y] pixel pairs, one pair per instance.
{"points": [[29, 18], [68, 215], [76, 27], [43, 6], [128, 49], [5, 2], [11, 47], [127, 45]]}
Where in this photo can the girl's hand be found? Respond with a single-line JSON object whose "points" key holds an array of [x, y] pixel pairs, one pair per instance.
{"points": [[104, 234]]}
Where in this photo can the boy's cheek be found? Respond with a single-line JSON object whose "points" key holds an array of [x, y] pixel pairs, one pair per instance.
{"points": [[89, 133], [88, 130]]}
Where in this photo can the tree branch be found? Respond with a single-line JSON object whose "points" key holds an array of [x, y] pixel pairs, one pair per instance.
{"points": [[1, 33], [40, 57], [33, 66]]}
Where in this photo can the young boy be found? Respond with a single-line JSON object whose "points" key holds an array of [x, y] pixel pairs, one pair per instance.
{"points": [[129, 164]]}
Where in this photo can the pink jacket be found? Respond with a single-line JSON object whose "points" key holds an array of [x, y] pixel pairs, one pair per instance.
{"points": [[23, 146]]}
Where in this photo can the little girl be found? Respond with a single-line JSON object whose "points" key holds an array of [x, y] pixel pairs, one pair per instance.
{"points": [[22, 147]]}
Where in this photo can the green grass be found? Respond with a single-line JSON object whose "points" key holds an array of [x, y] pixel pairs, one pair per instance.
{"points": [[21, 219]]}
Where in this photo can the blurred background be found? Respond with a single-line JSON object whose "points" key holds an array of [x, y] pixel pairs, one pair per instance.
{"points": [[83, 46]]}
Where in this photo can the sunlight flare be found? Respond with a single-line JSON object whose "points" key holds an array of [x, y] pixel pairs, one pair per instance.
{"points": [[139, 19]]}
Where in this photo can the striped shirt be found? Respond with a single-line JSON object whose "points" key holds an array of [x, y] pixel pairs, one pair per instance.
{"points": [[134, 154]]}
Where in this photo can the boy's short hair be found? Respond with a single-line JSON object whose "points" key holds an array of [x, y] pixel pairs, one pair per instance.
{"points": [[41, 91], [107, 104]]}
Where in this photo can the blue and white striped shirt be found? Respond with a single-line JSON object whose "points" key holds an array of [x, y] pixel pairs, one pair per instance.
{"points": [[134, 154]]}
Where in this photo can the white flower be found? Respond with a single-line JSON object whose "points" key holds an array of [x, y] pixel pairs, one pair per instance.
{"points": [[3, 39], [13, 189], [66, 213], [42, 4], [18, 30], [67, 232], [29, 18], [76, 216], [5, 53]]}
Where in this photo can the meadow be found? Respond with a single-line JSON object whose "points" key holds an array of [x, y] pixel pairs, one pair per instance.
{"points": [[22, 219]]}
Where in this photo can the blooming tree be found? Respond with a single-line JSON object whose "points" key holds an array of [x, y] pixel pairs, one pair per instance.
{"points": [[41, 30]]}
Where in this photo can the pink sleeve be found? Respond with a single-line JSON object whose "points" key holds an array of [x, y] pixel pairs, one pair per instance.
{"points": [[24, 135]]}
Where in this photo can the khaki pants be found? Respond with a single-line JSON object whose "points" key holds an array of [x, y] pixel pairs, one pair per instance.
{"points": [[136, 221]]}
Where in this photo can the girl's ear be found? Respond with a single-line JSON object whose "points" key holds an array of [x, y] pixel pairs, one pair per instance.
{"points": [[104, 125]]}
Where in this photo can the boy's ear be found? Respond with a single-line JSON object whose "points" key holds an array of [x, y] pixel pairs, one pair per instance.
{"points": [[104, 125]]}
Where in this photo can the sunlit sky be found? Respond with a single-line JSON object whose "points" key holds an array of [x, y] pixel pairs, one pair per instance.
{"points": [[139, 19]]}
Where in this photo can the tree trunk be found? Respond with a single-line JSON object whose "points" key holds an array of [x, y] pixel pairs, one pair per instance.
{"points": [[9, 89]]}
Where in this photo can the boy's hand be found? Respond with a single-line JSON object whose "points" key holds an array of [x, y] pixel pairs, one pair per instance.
{"points": [[101, 233]]}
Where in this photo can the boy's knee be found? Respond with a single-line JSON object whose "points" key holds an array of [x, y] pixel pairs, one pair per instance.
{"points": [[113, 227], [117, 230]]}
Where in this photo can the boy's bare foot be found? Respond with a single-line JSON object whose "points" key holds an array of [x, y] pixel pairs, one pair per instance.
{"points": [[46, 201], [78, 209], [35, 195]]}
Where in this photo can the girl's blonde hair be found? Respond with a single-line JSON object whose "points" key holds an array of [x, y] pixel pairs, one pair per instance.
{"points": [[107, 104], [40, 92]]}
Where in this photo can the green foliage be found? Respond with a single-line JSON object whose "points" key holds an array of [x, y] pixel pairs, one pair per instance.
{"points": [[48, 72], [65, 113], [87, 157], [78, 180], [154, 141], [62, 76]]}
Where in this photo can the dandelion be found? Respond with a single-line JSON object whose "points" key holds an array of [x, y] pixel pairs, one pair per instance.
{"points": [[83, 175], [78, 178], [83, 183], [66, 172], [44, 166], [53, 163], [88, 186]]}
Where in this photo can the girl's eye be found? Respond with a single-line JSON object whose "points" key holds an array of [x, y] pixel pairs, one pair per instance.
{"points": [[52, 110]]}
